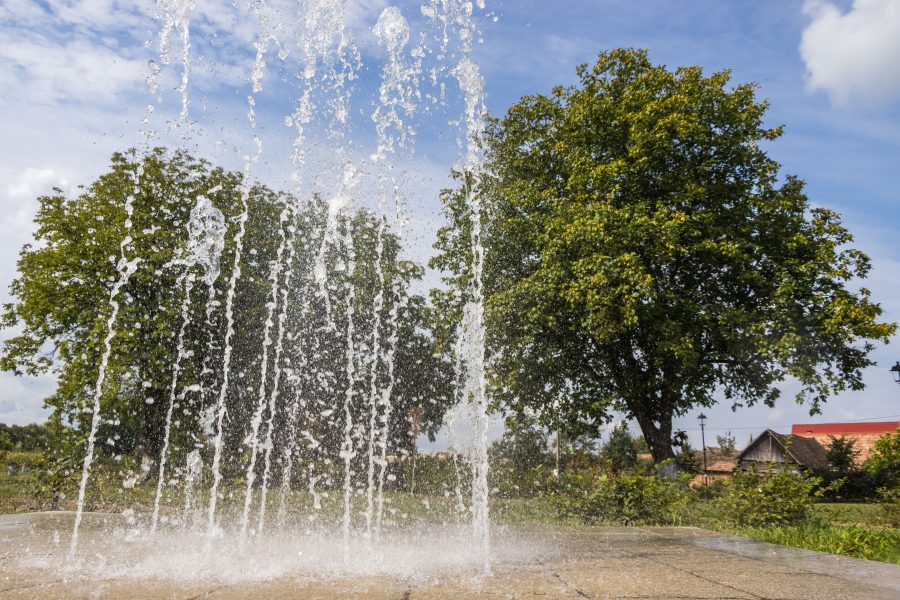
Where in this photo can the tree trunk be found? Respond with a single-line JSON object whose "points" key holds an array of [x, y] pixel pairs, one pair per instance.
{"points": [[150, 436], [658, 438], [660, 441], [412, 483]]}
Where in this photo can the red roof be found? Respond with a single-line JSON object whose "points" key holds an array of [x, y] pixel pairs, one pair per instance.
{"points": [[837, 429]]}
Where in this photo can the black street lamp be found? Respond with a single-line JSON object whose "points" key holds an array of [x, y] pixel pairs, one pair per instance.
{"points": [[895, 372], [702, 419]]}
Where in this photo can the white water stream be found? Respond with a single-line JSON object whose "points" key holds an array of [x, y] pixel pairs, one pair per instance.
{"points": [[297, 400]]}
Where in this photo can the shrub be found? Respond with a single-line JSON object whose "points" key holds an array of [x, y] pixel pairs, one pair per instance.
{"points": [[757, 499], [889, 502], [434, 475], [620, 451], [884, 461], [520, 461], [623, 499], [842, 466], [24, 437]]}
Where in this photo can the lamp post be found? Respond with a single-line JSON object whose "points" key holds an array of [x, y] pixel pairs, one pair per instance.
{"points": [[895, 372], [702, 419]]}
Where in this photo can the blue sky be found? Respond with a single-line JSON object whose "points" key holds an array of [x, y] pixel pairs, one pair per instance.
{"points": [[72, 91]]}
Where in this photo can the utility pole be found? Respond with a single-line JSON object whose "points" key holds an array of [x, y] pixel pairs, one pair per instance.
{"points": [[702, 419], [557, 447]]}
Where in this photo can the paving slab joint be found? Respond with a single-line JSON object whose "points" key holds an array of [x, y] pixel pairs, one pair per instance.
{"points": [[581, 593]]}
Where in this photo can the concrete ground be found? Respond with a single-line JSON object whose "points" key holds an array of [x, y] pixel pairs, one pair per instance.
{"points": [[606, 562]]}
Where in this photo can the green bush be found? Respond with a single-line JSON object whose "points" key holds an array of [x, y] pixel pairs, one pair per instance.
{"points": [[754, 499], [623, 499], [889, 502], [506, 481], [25, 438], [20, 461], [433, 476], [884, 461]]}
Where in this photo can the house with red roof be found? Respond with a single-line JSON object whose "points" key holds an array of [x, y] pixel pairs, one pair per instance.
{"points": [[864, 434]]}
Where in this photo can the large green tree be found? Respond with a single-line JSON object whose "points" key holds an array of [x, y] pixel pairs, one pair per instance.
{"points": [[60, 307], [645, 256]]}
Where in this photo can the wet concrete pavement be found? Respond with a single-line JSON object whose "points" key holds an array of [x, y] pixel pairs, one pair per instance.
{"points": [[602, 562]]}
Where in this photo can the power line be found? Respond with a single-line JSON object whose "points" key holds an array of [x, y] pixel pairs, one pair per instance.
{"points": [[785, 426]]}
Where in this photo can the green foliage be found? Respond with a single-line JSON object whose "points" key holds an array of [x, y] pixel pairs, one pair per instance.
{"points": [[623, 499], [60, 307], [883, 462], [620, 451], [889, 503], [520, 460], [24, 437], [842, 454], [726, 443], [644, 253], [755, 499], [846, 540]]}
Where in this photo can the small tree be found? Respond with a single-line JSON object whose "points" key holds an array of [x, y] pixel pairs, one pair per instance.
{"points": [[519, 459], [884, 461], [842, 455], [620, 450], [843, 477], [640, 444], [686, 457], [726, 444]]}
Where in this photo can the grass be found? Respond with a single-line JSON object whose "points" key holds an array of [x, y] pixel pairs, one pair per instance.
{"points": [[856, 530], [848, 513], [856, 541]]}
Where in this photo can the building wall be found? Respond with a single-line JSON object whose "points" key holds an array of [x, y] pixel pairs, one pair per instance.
{"points": [[765, 450], [864, 434]]}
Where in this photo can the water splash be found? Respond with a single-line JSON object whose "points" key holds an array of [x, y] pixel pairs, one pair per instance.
{"points": [[472, 328], [126, 269], [176, 14], [261, 403], [398, 97], [298, 402], [347, 453], [268, 443], [206, 240], [193, 470]]}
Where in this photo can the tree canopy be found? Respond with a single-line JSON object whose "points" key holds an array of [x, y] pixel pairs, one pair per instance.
{"points": [[61, 305], [645, 256]]}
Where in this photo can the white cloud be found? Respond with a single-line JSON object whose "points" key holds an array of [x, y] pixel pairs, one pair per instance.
{"points": [[21, 398], [853, 56], [79, 70], [22, 10], [97, 14], [33, 181]]}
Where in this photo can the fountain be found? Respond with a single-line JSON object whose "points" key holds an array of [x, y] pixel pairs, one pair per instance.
{"points": [[326, 370]]}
